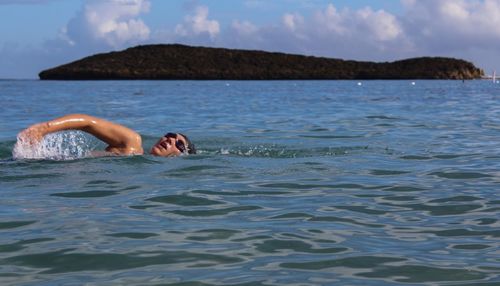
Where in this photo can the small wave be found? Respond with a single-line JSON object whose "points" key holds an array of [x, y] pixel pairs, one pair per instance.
{"points": [[262, 151], [69, 145], [460, 175], [383, 117]]}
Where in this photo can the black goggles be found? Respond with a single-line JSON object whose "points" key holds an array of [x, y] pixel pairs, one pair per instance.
{"points": [[178, 143]]}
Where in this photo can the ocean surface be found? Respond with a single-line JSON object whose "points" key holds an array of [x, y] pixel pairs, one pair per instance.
{"points": [[295, 183]]}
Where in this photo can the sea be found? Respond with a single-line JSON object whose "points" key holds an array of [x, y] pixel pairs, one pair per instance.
{"points": [[294, 183]]}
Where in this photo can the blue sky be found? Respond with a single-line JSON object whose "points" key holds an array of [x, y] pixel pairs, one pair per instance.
{"points": [[38, 34]]}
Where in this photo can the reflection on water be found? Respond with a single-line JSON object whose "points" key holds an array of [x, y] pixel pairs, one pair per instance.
{"points": [[322, 183]]}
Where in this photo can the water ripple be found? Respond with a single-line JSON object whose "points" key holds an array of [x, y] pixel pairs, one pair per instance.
{"points": [[419, 274], [184, 200], [64, 261], [278, 245], [13, 247], [214, 212], [460, 175], [350, 262], [384, 184], [441, 210], [15, 224], [86, 194]]}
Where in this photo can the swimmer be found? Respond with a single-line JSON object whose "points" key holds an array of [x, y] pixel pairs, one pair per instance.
{"points": [[120, 139]]}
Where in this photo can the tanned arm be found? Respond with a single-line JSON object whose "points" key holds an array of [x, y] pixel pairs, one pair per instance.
{"points": [[121, 140]]}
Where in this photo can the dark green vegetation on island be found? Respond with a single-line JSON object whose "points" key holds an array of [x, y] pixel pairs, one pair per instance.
{"points": [[185, 62]]}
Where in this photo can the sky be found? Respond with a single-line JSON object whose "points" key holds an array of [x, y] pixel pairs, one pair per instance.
{"points": [[40, 34]]}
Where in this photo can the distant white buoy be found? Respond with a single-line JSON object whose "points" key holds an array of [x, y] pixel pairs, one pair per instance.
{"points": [[412, 83], [359, 83], [227, 84]]}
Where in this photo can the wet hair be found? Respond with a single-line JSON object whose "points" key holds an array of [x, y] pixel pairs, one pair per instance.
{"points": [[191, 149]]}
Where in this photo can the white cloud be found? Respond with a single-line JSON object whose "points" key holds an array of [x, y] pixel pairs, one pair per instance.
{"points": [[455, 10], [357, 34], [244, 28], [380, 25], [331, 20], [112, 23], [198, 24], [457, 19], [458, 28], [293, 21]]}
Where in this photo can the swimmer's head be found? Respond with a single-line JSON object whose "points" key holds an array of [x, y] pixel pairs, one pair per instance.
{"points": [[173, 144]]}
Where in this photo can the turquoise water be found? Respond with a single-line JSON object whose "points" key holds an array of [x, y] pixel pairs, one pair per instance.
{"points": [[296, 183]]}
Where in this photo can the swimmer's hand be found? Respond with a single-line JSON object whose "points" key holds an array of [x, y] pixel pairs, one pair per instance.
{"points": [[33, 135]]}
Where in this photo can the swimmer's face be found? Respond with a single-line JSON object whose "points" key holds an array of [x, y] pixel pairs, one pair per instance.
{"points": [[172, 144]]}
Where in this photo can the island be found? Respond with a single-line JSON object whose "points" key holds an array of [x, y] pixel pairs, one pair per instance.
{"points": [[181, 62]]}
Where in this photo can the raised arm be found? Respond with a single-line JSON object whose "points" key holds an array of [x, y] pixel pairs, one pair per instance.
{"points": [[121, 140]]}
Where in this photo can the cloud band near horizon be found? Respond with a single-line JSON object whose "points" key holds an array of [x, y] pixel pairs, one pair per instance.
{"points": [[452, 28]]}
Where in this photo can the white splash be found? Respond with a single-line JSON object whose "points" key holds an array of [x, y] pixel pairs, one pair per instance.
{"points": [[68, 145]]}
